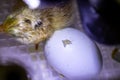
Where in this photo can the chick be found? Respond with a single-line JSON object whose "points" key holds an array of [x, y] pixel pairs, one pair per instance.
{"points": [[34, 26]]}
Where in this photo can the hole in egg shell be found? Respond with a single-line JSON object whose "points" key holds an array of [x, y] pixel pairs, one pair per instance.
{"points": [[66, 42]]}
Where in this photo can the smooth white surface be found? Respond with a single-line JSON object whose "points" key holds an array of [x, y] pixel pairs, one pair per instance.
{"points": [[32, 4], [80, 59]]}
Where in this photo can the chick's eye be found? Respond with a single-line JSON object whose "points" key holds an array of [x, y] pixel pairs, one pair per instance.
{"points": [[38, 24], [28, 21]]}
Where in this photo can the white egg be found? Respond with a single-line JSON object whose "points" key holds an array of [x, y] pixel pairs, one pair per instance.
{"points": [[72, 54]]}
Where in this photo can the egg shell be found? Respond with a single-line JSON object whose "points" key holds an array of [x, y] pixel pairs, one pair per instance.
{"points": [[72, 54]]}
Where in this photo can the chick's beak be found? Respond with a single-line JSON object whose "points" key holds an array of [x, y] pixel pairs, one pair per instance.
{"points": [[4, 28], [1, 28], [7, 25]]}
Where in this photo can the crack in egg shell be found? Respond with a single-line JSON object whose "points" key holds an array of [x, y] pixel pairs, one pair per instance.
{"points": [[66, 42]]}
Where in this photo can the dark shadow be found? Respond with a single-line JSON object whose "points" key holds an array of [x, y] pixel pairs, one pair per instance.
{"points": [[13, 72]]}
